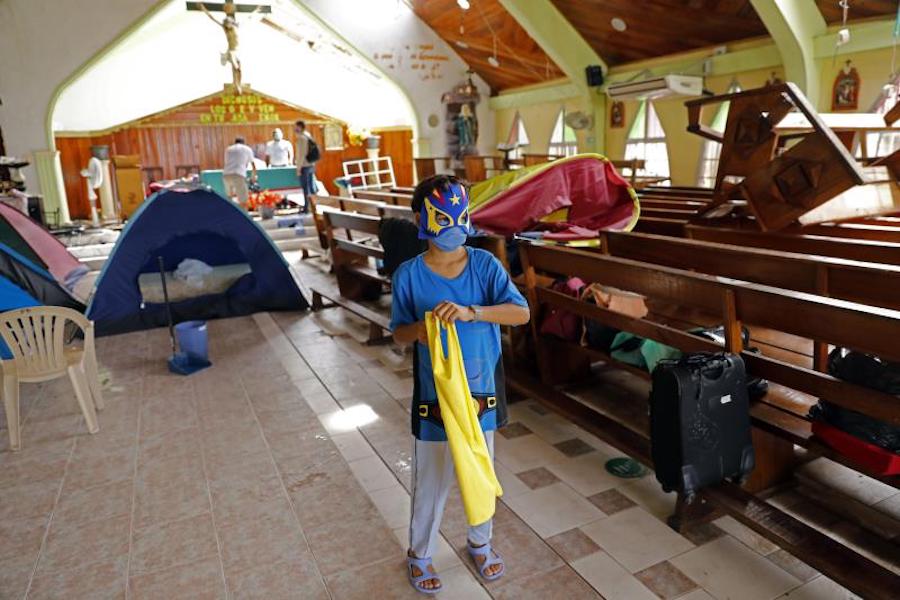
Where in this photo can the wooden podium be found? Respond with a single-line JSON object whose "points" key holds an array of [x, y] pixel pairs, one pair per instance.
{"points": [[129, 183]]}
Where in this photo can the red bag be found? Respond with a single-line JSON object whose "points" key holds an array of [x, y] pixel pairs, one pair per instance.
{"points": [[559, 322], [876, 459]]}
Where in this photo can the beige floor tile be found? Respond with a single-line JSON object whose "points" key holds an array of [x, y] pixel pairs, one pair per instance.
{"points": [[268, 535], [199, 580], [162, 415], [28, 500], [636, 539], [562, 582], [171, 544], [697, 595], [68, 547], [793, 565], [610, 579], [820, 588], [372, 474], [745, 535], [665, 580], [352, 445], [103, 502], [850, 482], [647, 492], [352, 542], [383, 580], [22, 536], [553, 509], [586, 473], [238, 491], [511, 484], [573, 544], [87, 580], [179, 443], [331, 500], [93, 471], [728, 569], [321, 402], [393, 503], [172, 495], [459, 582], [29, 467], [15, 573], [551, 428], [297, 578], [524, 453]]}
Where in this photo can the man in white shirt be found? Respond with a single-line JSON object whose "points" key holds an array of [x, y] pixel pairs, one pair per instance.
{"points": [[279, 151], [238, 158]]}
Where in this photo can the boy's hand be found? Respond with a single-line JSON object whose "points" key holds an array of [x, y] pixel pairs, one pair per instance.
{"points": [[449, 312]]}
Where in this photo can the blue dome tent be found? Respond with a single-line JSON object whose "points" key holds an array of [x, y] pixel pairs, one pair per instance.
{"points": [[249, 274]]}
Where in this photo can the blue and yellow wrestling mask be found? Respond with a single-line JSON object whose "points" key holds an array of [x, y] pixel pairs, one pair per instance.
{"points": [[444, 218]]}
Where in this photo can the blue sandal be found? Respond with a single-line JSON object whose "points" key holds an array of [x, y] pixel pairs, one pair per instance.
{"points": [[491, 557], [423, 565]]}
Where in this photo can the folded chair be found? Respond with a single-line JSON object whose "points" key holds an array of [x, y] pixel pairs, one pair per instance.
{"points": [[36, 339]]}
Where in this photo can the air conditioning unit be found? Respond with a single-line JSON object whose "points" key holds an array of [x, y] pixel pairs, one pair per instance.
{"points": [[657, 87]]}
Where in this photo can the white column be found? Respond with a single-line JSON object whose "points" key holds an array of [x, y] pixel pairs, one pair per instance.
{"points": [[53, 189]]}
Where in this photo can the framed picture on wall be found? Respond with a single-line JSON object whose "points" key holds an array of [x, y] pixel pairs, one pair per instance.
{"points": [[617, 115], [845, 92], [334, 136]]}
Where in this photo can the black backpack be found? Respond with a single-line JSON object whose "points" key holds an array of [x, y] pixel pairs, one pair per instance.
{"points": [[400, 240], [312, 151]]}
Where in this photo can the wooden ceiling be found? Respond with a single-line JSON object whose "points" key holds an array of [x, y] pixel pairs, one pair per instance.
{"points": [[660, 27], [859, 9], [522, 61]]}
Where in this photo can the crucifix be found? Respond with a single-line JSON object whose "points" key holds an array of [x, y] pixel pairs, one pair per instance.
{"points": [[229, 25]]}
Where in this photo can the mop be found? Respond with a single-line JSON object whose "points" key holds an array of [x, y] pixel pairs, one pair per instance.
{"points": [[180, 363]]}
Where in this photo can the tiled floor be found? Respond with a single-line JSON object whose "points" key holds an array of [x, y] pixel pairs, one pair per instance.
{"points": [[283, 472]]}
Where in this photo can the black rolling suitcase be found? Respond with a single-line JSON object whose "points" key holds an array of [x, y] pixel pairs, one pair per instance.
{"points": [[700, 422]]}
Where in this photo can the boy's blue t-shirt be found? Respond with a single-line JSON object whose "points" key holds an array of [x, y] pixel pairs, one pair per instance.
{"points": [[416, 290]]}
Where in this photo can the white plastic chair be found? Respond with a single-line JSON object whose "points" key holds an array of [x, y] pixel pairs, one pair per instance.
{"points": [[36, 339]]}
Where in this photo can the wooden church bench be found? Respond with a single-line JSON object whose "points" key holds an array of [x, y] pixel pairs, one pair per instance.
{"points": [[357, 279], [395, 198], [776, 428]]}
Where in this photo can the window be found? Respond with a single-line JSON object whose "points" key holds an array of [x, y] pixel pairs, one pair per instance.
{"points": [[709, 155], [517, 138], [882, 143], [647, 142], [562, 141]]}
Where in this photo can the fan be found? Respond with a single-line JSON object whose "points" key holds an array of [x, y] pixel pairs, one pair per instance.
{"points": [[579, 120]]}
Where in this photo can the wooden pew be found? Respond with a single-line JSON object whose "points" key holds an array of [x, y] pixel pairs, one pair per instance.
{"points": [[633, 165], [529, 160], [396, 198], [478, 168], [357, 279], [426, 166], [735, 303]]}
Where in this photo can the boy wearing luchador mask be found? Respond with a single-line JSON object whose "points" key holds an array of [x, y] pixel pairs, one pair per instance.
{"points": [[471, 288]]}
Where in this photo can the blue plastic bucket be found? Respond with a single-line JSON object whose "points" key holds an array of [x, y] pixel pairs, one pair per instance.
{"points": [[193, 339]]}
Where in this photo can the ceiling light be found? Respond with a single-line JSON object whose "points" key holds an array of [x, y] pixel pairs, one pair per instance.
{"points": [[464, 4], [461, 44], [492, 60], [618, 24]]}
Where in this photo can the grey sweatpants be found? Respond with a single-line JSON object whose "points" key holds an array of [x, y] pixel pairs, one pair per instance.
{"points": [[432, 476]]}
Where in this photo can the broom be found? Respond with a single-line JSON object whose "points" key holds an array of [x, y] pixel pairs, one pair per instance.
{"points": [[180, 363]]}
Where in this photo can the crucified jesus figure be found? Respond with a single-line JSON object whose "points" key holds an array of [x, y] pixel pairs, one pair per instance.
{"points": [[229, 25]]}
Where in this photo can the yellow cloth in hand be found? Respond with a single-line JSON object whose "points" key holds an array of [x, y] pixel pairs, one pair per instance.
{"points": [[474, 468]]}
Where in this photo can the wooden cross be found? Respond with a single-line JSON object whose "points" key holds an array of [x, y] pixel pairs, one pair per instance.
{"points": [[220, 7], [230, 26]]}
